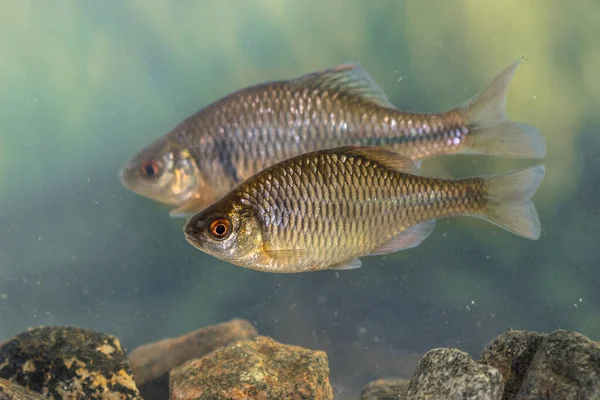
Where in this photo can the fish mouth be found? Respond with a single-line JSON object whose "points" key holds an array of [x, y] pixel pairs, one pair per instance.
{"points": [[132, 182], [122, 173], [190, 235], [125, 176], [192, 240]]}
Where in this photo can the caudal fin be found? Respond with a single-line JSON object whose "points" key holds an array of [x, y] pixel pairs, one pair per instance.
{"points": [[491, 132], [509, 201]]}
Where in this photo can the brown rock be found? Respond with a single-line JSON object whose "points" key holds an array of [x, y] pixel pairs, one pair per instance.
{"points": [[68, 363], [12, 391], [151, 363], [511, 353], [565, 366], [386, 389], [259, 369]]}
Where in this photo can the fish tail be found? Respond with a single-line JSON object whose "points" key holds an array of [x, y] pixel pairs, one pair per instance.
{"points": [[509, 202], [491, 132]]}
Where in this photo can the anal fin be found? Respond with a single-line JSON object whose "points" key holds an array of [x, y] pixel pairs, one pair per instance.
{"points": [[407, 239], [190, 207], [353, 263]]}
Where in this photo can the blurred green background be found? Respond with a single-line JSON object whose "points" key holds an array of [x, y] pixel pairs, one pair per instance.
{"points": [[85, 84]]}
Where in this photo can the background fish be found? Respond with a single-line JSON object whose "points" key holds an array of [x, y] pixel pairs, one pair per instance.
{"points": [[225, 143], [325, 209]]}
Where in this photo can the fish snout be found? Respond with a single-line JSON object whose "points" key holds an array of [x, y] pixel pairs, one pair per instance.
{"points": [[122, 175], [127, 175], [191, 231]]}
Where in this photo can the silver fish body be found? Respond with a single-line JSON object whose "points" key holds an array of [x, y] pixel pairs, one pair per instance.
{"points": [[249, 130]]}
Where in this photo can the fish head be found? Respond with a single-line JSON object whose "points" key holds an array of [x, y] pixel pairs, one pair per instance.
{"points": [[229, 230], [163, 171]]}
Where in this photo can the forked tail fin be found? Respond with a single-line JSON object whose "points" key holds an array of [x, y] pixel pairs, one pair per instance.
{"points": [[491, 132], [509, 201]]}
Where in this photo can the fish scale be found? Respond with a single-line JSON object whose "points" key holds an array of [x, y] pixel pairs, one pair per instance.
{"points": [[374, 203]]}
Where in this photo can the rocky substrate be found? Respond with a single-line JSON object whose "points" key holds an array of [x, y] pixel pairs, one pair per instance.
{"points": [[231, 361], [517, 365]]}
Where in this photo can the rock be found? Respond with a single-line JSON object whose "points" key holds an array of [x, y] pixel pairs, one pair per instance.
{"points": [[257, 369], [386, 389], [68, 363], [511, 353], [151, 363], [451, 374], [565, 366], [12, 391]]}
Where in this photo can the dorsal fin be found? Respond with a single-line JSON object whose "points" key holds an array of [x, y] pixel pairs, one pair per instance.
{"points": [[383, 156], [348, 79]]}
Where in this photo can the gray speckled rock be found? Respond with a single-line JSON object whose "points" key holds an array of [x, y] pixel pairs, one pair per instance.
{"points": [[565, 366], [386, 389], [68, 363], [511, 353], [451, 374], [12, 391]]}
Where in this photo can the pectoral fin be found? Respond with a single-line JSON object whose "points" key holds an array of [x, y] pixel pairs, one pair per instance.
{"points": [[288, 257]]}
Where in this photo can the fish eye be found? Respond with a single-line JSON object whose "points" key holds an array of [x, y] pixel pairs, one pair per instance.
{"points": [[220, 228], [150, 168]]}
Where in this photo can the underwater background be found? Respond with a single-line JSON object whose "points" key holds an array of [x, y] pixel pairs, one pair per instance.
{"points": [[84, 85]]}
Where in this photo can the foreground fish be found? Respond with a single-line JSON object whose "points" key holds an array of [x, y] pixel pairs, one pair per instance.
{"points": [[225, 143], [324, 210]]}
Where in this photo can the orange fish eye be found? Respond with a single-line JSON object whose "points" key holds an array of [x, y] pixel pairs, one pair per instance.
{"points": [[150, 168], [220, 228]]}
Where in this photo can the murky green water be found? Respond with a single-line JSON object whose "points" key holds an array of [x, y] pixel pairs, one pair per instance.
{"points": [[84, 85]]}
